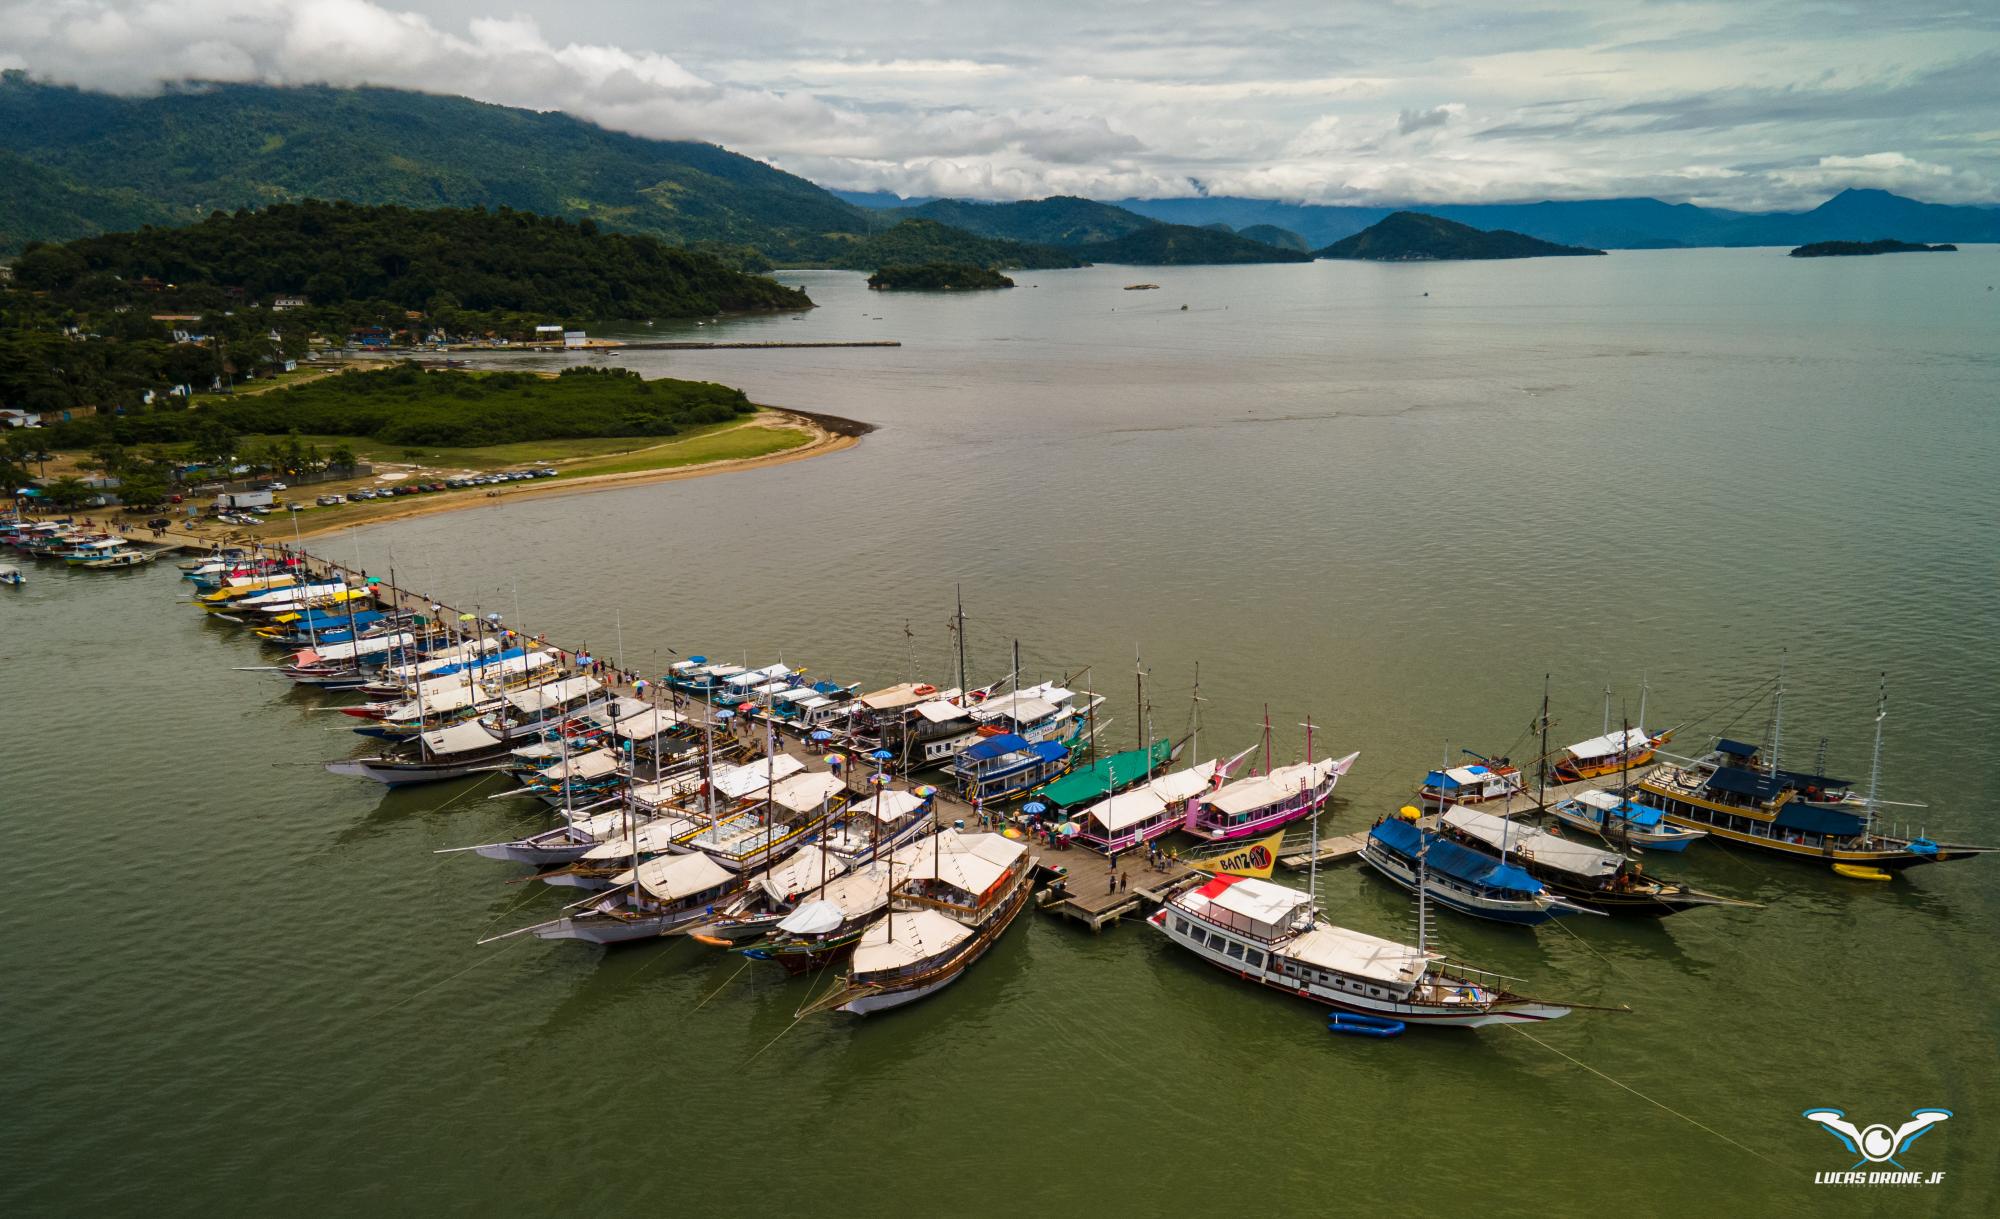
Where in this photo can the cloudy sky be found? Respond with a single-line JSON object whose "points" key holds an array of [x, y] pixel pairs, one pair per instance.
{"points": [[1742, 103]]}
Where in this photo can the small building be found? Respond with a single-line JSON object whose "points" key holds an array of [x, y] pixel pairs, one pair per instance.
{"points": [[548, 334], [230, 501], [575, 338], [14, 418], [283, 303]]}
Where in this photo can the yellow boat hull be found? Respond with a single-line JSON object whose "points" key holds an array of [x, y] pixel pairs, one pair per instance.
{"points": [[1857, 872]]}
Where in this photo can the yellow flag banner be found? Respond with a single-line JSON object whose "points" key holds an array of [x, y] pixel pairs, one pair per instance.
{"points": [[1251, 859]]}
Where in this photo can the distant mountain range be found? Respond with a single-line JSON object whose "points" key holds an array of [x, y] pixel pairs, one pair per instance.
{"points": [[1620, 224], [74, 164]]}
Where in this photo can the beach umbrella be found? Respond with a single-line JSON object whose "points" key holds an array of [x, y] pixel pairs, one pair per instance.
{"points": [[1011, 832], [1069, 829], [881, 755], [821, 734], [725, 715], [466, 617], [1034, 806], [835, 759], [925, 792], [746, 706], [640, 685], [880, 780]]}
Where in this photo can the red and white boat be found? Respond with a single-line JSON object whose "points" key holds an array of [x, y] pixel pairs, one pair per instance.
{"points": [[1268, 933]]}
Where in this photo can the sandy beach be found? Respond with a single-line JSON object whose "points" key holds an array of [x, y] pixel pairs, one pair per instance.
{"points": [[828, 434]]}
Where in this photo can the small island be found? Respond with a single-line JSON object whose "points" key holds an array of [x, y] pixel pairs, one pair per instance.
{"points": [[1846, 249], [937, 277], [1416, 237]]}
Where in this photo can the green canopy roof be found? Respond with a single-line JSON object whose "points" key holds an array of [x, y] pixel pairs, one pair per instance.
{"points": [[1106, 775]]}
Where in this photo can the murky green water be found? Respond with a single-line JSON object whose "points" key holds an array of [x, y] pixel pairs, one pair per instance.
{"points": [[235, 983]]}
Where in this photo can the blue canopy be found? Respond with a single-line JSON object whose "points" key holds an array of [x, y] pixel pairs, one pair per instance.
{"points": [[1050, 751], [994, 746], [1442, 779], [1735, 749], [1737, 781], [1451, 859], [1639, 814], [1818, 819]]}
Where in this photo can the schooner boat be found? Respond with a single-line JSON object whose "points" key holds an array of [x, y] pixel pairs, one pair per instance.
{"points": [[951, 905], [1596, 879]]}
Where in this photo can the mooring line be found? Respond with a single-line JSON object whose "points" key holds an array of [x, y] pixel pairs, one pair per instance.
{"points": [[1642, 1096], [718, 990], [433, 986]]}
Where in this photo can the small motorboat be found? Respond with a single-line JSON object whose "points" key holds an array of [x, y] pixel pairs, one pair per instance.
{"points": [[10, 574], [1855, 871], [1354, 1024]]}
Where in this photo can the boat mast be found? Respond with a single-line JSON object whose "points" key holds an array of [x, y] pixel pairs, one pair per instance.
{"points": [[1195, 738], [1606, 730], [1139, 706], [1777, 716], [958, 630], [1267, 738], [1542, 766], [1642, 707], [1875, 762]]}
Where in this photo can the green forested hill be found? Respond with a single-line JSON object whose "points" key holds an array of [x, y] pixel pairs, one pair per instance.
{"points": [[1178, 244], [99, 163], [1416, 237], [1062, 220], [354, 262]]}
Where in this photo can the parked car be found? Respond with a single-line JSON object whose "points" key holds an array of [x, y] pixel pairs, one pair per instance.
{"points": [[546, 472]]}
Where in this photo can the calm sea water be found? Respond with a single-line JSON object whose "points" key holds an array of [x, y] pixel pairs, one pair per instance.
{"points": [[1390, 498]]}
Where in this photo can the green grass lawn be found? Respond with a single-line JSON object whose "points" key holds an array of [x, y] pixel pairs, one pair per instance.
{"points": [[730, 442], [496, 456]]}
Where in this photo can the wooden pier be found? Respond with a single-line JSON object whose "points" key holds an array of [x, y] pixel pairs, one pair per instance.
{"points": [[1080, 885], [1326, 850]]}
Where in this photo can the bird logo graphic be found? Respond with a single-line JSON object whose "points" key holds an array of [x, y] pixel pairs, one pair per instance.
{"points": [[1877, 1144]]}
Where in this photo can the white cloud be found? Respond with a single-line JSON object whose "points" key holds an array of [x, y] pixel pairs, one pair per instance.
{"points": [[1756, 102]]}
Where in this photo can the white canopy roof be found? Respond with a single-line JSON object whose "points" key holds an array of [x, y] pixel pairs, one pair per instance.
{"points": [[806, 791], [1149, 800], [653, 836], [358, 647], [647, 724], [1262, 791], [1532, 843], [736, 782], [773, 689], [813, 918], [890, 804], [903, 694], [801, 873], [858, 894], [593, 765], [537, 699], [673, 877], [1599, 800], [672, 787], [919, 935], [463, 737], [941, 710], [1632, 740], [1022, 708], [757, 677], [1262, 900], [1357, 955], [971, 863]]}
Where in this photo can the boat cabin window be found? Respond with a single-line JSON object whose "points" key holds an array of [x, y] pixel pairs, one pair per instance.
{"points": [[1255, 958], [1235, 950], [1199, 936], [1181, 925]]}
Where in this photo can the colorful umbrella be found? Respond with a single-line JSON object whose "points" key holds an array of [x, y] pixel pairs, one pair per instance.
{"points": [[881, 755], [925, 792], [1069, 829], [725, 715], [821, 734], [835, 759], [1011, 832], [881, 780], [746, 706], [1034, 806]]}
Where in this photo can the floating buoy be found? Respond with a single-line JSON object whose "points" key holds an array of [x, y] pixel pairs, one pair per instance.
{"points": [[1357, 1025]]}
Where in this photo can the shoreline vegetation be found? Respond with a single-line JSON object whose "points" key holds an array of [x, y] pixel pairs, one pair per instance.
{"points": [[1887, 245], [937, 277]]}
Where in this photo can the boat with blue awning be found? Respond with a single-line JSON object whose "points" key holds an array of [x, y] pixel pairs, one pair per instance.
{"points": [[1605, 881], [1617, 819], [1738, 797], [1004, 766], [1460, 878]]}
